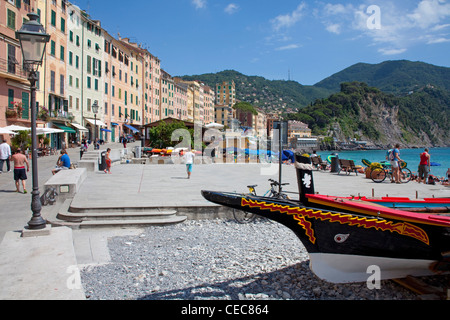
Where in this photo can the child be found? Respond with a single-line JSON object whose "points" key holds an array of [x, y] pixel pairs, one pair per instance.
{"points": [[108, 161]]}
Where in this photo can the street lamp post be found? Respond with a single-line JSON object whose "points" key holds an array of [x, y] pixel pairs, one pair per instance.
{"points": [[33, 39], [95, 110]]}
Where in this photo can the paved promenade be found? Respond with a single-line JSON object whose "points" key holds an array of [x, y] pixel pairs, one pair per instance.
{"points": [[45, 267]]}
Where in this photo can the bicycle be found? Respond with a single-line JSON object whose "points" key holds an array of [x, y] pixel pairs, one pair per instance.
{"points": [[378, 175], [242, 216], [49, 196]]}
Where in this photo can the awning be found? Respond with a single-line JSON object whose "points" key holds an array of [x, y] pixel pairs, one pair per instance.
{"points": [[131, 128], [106, 130], [65, 128], [114, 124], [79, 127], [96, 122]]}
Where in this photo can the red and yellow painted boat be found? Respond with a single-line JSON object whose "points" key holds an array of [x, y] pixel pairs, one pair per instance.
{"points": [[347, 238]]}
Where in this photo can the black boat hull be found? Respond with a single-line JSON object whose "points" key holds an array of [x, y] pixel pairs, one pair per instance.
{"points": [[345, 247]]}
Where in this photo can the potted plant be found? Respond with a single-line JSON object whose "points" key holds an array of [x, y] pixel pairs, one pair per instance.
{"points": [[43, 113], [9, 113], [19, 108]]}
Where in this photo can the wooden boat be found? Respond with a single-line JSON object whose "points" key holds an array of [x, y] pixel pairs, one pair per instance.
{"points": [[346, 239], [426, 205]]}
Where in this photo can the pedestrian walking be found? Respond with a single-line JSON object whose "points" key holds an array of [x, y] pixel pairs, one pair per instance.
{"points": [[20, 161], [5, 156], [394, 158], [108, 161], [189, 158]]}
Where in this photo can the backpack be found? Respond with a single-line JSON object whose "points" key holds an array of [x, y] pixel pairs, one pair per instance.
{"points": [[390, 155]]}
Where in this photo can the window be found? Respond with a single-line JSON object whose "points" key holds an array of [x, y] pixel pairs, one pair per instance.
{"points": [[88, 104], [70, 80], [88, 82], [11, 23], [61, 84], [63, 25], [10, 98], [113, 89], [62, 53], [77, 104], [53, 19], [96, 84], [89, 43], [77, 83], [12, 59], [52, 81], [77, 62], [52, 48], [71, 36], [88, 64], [78, 41], [70, 58]]}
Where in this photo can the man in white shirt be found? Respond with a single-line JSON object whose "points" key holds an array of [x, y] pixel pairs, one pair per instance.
{"points": [[189, 158], [5, 155]]}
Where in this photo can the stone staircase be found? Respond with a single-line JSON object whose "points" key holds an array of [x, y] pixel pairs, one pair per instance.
{"points": [[99, 217]]}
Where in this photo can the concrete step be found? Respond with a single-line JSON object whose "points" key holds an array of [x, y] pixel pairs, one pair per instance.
{"points": [[131, 222], [117, 214], [102, 217]]}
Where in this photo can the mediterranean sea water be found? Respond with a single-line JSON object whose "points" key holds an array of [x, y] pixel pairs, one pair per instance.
{"points": [[411, 156]]}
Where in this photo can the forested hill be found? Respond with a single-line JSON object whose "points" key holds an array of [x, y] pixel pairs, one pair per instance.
{"points": [[267, 94], [397, 77], [366, 113]]}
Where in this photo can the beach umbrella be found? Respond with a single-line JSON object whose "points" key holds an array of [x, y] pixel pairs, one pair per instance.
{"points": [[435, 164], [14, 127], [6, 131], [214, 125]]}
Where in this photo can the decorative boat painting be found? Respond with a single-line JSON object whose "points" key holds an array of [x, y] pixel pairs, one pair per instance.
{"points": [[345, 238]]}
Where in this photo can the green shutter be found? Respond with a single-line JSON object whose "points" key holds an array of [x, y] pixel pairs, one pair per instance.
{"points": [[25, 105]]}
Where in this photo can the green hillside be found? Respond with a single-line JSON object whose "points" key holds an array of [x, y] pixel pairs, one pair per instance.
{"points": [[397, 77], [267, 94], [362, 112]]}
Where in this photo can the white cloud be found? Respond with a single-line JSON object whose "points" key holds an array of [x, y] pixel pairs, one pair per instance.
{"points": [[199, 4], [334, 28], [290, 19], [399, 27], [438, 40], [231, 8], [430, 12], [390, 52], [288, 47]]}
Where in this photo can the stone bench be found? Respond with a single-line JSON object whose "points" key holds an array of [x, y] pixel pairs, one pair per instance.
{"points": [[66, 183], [91, 159]]}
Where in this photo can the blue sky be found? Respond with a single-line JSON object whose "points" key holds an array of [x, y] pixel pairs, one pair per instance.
{"points": [[310, 40]]}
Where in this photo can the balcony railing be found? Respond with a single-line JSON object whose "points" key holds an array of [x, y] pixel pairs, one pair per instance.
{"points": [[12, 68]]}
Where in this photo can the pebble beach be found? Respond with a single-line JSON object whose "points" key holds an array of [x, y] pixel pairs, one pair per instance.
{"points": [[221, 260]]}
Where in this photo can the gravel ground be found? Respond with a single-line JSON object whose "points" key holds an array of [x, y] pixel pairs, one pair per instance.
{"points": [[220, 259]]}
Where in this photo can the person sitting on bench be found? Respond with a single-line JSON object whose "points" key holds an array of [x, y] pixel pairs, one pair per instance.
{"points": [[63, 162]]}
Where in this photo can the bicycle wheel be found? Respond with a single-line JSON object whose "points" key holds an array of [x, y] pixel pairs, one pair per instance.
{"points": [[405, 175], [243, 216], [378, 175]]}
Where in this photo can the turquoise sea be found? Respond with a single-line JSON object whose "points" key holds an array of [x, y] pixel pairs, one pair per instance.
{"points": [[411, 156]]}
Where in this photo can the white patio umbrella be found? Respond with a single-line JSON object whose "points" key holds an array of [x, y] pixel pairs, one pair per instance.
{"points": [[14, 127], [48, 130], [6, 131], [214, 125]]}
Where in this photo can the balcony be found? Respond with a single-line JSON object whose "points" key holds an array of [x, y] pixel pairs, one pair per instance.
{"points": [[12, 70]]}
